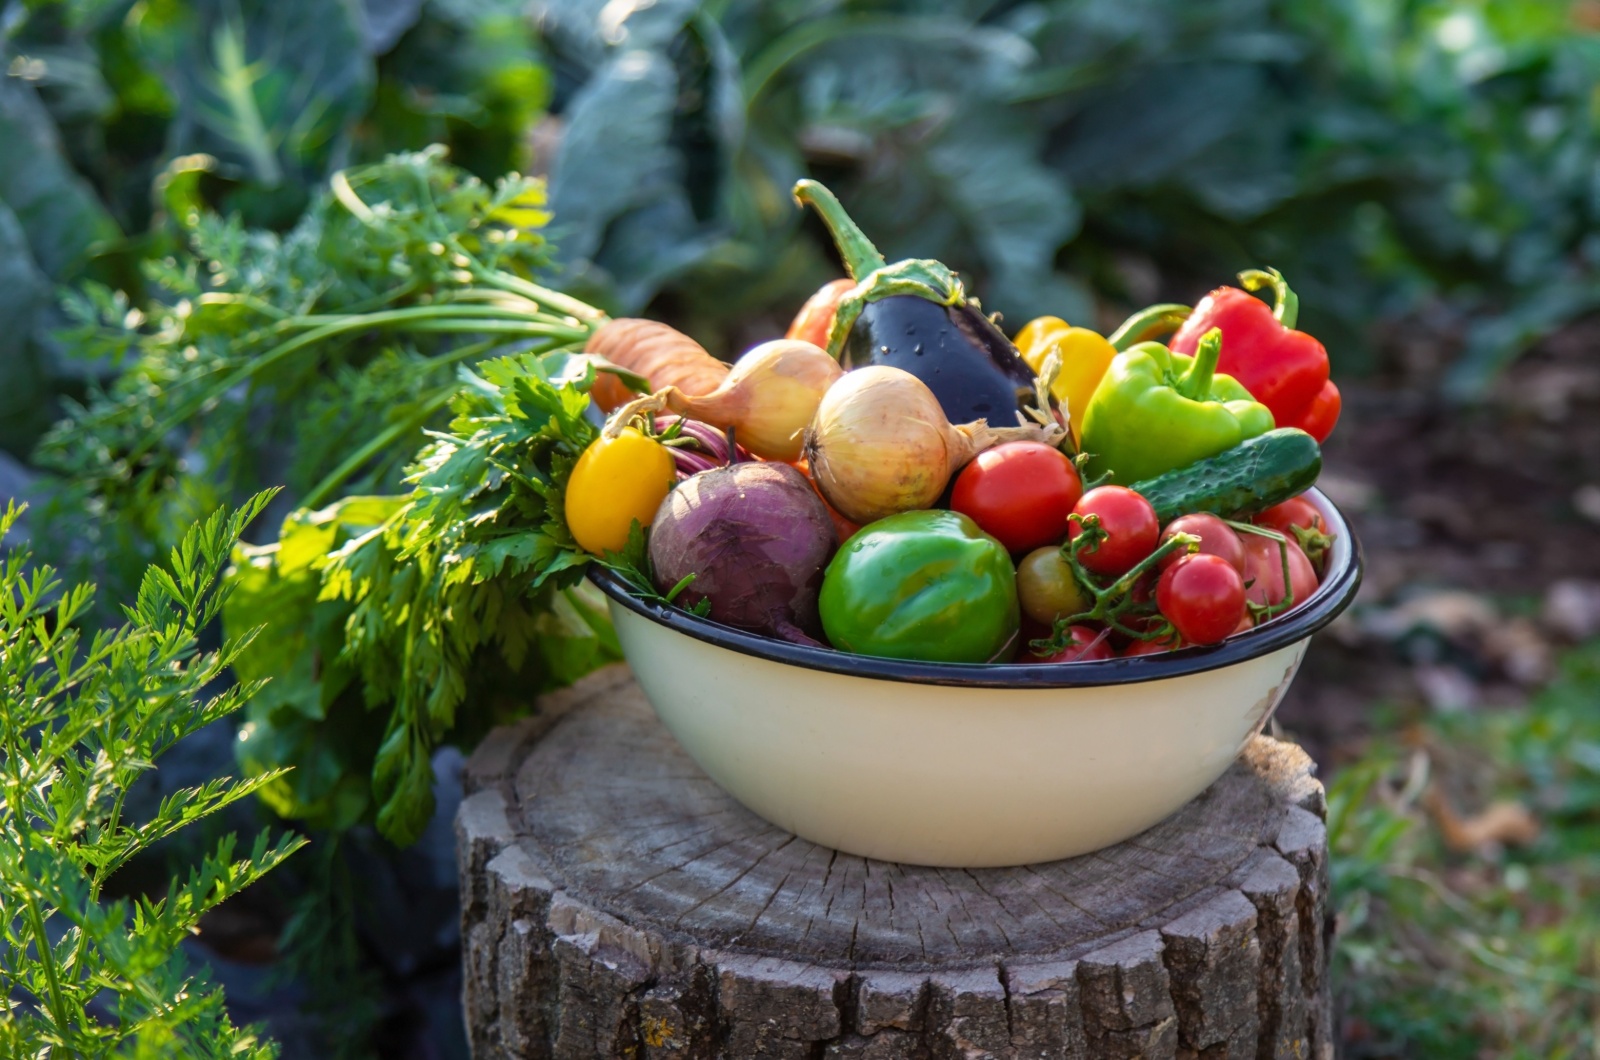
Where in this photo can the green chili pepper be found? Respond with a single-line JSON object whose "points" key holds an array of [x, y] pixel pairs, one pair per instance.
{"points": [[1156, 410], [927, 585]]}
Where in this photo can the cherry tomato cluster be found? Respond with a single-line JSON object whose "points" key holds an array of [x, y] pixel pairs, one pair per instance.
{"points": [[1099, 577]]}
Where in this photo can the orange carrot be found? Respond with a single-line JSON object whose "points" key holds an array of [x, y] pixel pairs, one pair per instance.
{"points": [[663, 355]]}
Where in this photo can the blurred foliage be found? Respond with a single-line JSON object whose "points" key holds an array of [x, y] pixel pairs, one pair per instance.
{"points": [[105, 104], [1392, 156], [1495, 953]]}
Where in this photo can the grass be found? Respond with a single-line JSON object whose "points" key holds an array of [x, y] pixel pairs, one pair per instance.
{"points": [[1491, 951]]}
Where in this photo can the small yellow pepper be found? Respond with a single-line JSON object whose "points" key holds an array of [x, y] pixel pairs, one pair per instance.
{"points": [[622, 476], [1085, 355]]}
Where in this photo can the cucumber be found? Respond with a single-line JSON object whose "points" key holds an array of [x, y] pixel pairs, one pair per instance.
{"points": [[1255, 474]]}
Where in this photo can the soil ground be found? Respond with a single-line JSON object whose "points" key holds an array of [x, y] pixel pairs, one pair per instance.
{"points": [[1472, 519]]}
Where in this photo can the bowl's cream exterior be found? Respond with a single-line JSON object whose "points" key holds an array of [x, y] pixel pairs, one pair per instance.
{"points": [[961, 776]]}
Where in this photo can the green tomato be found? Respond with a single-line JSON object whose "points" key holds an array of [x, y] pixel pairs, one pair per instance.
{"points": [[925, 585], [1047, 588]]}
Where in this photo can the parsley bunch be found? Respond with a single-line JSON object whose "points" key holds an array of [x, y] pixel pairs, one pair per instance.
{"points": [[81, 720], [439, 597], [445, 611]]}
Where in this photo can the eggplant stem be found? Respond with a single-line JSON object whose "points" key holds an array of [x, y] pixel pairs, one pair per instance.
{"points": [[861, 258], [918, 278]]}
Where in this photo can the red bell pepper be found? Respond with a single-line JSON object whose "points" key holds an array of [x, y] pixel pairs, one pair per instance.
{"points": [[1284, 369]]}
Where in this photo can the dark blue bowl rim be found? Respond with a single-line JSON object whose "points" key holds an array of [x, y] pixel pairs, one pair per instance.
{"points": [[1331, 598]]}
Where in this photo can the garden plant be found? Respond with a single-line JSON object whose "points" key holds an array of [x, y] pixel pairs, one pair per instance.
{"points": [[354, 251]]}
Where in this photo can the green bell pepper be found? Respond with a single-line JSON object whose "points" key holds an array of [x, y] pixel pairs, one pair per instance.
{"points": [[927, 585], [1155, 411]]}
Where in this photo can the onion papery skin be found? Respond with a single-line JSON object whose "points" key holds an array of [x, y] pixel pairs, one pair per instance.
{"points": [[880, 444], [768, 399]]}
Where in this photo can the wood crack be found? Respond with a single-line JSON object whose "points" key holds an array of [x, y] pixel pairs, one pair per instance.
{"points": [[742, 874]]}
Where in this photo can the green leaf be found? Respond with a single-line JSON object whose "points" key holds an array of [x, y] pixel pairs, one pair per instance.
{"points": [[403, 784], [615, 157], [269, 87], [64, 220], [23, 393], [81, 722]]}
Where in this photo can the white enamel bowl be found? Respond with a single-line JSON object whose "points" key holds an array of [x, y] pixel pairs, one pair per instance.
{"points": [[965, 765]]}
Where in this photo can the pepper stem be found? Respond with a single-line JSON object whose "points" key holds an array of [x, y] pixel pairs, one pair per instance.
{"points": [[623, 418], [1149, 323], [861, 258], [1195, 384], [1285, 303]]}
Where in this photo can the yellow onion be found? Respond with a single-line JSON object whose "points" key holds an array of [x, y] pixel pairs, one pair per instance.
{"points": [[768, 399], [880, 443]]}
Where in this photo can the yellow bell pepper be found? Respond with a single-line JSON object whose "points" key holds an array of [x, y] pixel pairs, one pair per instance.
{"points": [[1085, 355]]}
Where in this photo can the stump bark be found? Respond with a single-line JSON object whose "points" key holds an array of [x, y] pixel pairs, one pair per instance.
{"points": [[616, 903]]}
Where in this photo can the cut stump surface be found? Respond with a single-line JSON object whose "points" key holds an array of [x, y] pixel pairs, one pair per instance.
{"points": [[617, 903]]}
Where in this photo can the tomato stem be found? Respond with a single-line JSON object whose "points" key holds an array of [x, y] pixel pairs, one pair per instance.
{"points": [[1081, 462], [1114, 601], [1260, 613]]}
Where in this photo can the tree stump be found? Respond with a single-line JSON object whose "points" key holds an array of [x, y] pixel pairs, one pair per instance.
{"points": [[616, 903]]}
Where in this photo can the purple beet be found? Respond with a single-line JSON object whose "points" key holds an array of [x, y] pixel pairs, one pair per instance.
{"points": [[698, 446], [756, 538]]}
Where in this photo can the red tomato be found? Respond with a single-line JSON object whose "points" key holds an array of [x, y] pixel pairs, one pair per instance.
{"points": [[1086, 645], [1216, 539], [1263, 570], [1203, 596], [1150, 647], [1130, 525], [1296, 511], [1020, 493]]}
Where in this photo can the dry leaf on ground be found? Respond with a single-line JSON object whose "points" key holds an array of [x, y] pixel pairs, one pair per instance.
{"points": [[1503, 823]]}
